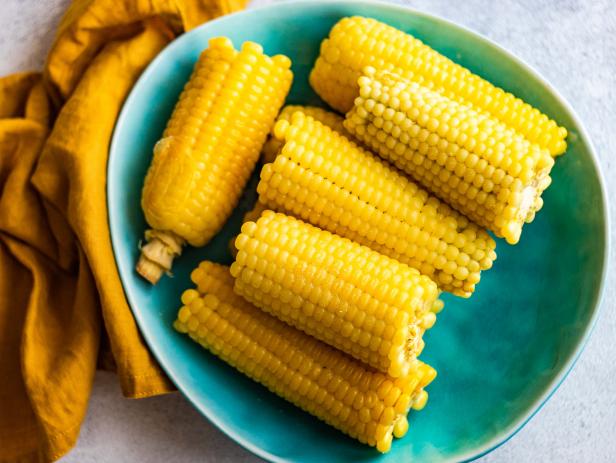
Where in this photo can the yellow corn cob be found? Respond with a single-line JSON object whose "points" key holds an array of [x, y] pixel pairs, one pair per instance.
{"points": [[330, 119], [359, 401], [357, 42], [349, 296], [209, 148], [329, 181], [476, 164]]}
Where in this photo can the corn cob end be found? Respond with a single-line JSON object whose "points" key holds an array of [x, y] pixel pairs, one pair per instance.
{"points": [[157, 254]]}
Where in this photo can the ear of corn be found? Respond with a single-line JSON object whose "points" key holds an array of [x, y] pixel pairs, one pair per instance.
{"points": [[209, 148], [328, 118], [365, 404], [349, 296], [357, 42], [325, 179], [475, 163]]}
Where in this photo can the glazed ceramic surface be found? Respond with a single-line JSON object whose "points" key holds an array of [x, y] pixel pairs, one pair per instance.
{"points": [[499, 355]]}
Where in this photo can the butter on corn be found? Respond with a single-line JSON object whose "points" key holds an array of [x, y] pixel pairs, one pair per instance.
{"points": [[365, 404], [351, 297], [328, 118], [325, 179], [475, 163], [356, 42], [209, 148]]}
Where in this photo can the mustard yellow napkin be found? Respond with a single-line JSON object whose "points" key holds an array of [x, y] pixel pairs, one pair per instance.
{"points": [[60, 295]]}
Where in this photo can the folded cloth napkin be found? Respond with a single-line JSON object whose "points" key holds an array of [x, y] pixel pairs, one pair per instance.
{"points": [[62, 307]]}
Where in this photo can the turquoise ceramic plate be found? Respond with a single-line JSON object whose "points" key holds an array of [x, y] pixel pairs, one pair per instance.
{"points": [[499, 355]]}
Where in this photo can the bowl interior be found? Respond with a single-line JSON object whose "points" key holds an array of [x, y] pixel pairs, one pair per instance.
{"points": [[499, 355]]}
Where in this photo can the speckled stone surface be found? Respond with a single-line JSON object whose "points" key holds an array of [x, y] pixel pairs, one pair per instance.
{"points": [[573, 44]]}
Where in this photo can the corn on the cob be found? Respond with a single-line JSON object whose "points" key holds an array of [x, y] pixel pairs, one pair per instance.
{"points": [[330, 119], [357, 42], [475, 163], [349, 296], [209, 148], [329, 181], [359, 401]]}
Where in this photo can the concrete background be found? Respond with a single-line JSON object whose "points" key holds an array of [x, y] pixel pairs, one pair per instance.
{"points": [[573, 44]]}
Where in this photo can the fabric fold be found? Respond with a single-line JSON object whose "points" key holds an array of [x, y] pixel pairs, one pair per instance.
{"points": [[60, 293]]}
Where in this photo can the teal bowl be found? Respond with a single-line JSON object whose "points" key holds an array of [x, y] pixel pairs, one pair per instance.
{"points": [[500, 355]]}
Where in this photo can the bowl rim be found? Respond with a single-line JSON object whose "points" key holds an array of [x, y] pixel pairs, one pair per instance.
{"points": [[503, 436]]}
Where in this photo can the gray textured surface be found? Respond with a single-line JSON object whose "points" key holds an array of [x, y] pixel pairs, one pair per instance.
{"points": [[573, 44]]}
